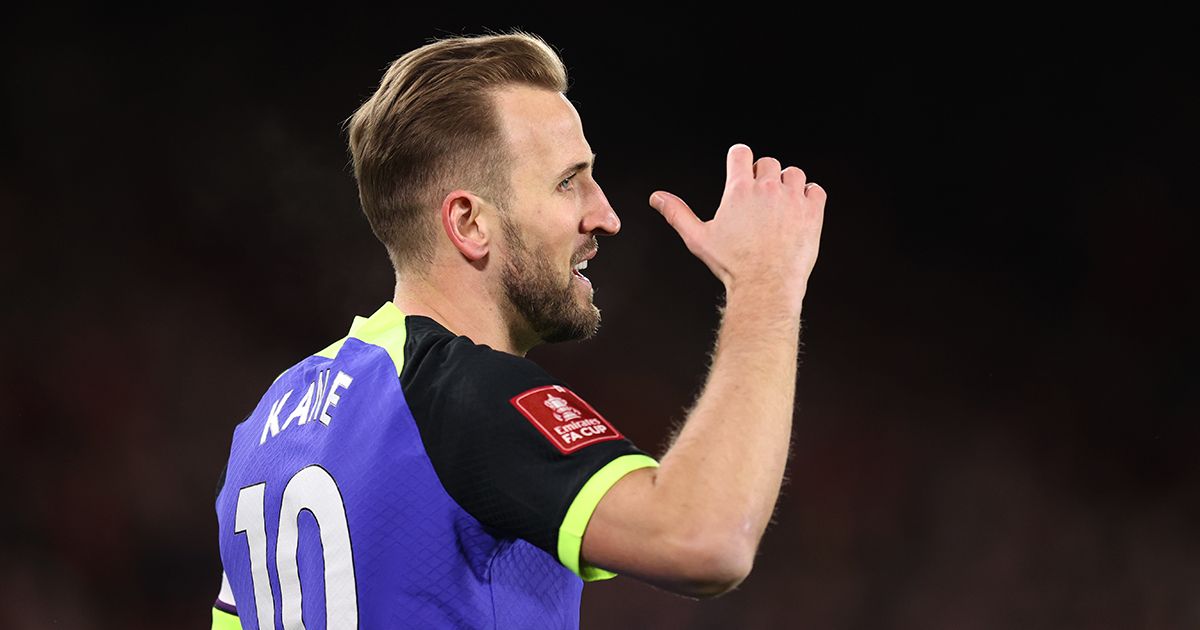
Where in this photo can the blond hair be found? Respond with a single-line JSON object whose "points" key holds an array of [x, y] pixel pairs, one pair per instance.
{"points": [[431, 127]]}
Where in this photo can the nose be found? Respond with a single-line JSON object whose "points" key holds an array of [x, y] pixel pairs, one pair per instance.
{"points": [[600, 216]]}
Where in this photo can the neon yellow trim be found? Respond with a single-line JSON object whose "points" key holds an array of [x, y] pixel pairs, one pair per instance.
{"points": [[357, 325], [225, 621], [334, 348], [570, 534], [385, 329]]}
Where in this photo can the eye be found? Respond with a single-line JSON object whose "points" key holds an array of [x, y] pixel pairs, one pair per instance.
{"points": [[567, 183]]}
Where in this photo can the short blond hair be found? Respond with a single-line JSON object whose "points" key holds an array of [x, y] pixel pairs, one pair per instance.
{"points": [[431, 127]]}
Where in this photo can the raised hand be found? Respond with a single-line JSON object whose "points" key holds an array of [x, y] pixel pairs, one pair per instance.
{"points": [[766, 232]]}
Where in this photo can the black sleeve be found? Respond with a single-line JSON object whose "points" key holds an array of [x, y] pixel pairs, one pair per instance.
{"points": [[510, 443]]}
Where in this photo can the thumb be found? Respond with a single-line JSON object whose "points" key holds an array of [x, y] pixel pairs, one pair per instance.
{"points": [[677, 213]]}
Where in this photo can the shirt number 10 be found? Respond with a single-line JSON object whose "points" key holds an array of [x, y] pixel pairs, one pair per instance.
{"points": [[311, 489]]}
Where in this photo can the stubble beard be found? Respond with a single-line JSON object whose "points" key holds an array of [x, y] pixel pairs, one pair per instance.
{"points": [[536, 292]]}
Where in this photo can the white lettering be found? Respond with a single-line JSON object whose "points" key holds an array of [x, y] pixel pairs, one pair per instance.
{"points": [[571, 426], [301, 411], [318, 403], [322, 383], [272, 425], [343, 381]]}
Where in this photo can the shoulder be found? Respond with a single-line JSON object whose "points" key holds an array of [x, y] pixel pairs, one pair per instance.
{"points": [[437, 359]]}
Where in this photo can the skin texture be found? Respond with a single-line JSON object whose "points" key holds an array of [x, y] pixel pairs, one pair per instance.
{"points": [[475, 280], [536, 289], [693, 525]]}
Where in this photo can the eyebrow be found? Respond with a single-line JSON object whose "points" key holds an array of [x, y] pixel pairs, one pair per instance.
{"points": [[578, 166]]}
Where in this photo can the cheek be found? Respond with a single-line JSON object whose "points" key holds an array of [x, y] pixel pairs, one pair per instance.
{"points": [[561, 236], [552, 230]]}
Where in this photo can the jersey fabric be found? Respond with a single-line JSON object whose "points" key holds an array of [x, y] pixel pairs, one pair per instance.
{"points": [[406, 477]]}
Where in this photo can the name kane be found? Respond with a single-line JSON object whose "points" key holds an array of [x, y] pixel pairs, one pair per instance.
{"points": [[318, 403]]}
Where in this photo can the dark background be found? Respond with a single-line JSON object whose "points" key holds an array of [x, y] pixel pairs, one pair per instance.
{"points": [[997, 400]]}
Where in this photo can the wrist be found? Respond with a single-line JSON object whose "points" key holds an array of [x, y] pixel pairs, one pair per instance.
{"points": [[771, 294]]}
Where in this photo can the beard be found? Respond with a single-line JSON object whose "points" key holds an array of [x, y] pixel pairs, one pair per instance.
{"points": [[535, 289]]}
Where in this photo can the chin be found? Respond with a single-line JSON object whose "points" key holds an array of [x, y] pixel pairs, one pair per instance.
{"points": [[584, 325]]}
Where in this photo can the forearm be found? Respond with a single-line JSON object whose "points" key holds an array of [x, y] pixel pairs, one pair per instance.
{"points": [[693, 524], [723, 473]]}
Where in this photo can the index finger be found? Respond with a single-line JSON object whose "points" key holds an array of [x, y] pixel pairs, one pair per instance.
{"points": [[739, 164]]}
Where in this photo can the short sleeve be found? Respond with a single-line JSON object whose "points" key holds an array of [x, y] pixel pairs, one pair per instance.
{"points": [[224, 612], [513, 446]]}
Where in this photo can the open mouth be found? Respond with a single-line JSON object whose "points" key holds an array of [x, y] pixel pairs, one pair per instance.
{"points": [[576, 271]]}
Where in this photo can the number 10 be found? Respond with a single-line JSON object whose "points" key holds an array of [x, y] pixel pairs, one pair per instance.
{"points": [[311, 489]]}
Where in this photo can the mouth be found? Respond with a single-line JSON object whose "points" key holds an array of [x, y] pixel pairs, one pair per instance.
{"points": [[577, 270]]}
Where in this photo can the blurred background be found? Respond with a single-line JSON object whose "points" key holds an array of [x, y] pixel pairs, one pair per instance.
{"points": [[996, 414]]}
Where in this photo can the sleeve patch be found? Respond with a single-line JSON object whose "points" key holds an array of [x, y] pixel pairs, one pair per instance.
{"points": [[563, 418]]}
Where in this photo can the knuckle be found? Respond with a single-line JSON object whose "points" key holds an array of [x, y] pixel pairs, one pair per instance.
{"points": [[767, 161], [770, 183]]}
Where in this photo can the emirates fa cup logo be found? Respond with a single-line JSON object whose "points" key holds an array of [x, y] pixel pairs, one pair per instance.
{"points": [[563, 411]]}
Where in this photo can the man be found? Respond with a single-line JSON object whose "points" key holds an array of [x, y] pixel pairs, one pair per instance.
{"points": [[420, 472]]}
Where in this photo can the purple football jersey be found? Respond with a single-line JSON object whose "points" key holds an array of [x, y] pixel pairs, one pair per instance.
{"points": [[390, 482]]}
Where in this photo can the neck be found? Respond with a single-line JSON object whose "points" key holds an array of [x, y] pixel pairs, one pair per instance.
{"points": [[464, 308]]}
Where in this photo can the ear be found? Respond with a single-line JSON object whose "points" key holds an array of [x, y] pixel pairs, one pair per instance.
{"points": [[466, 220]]}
